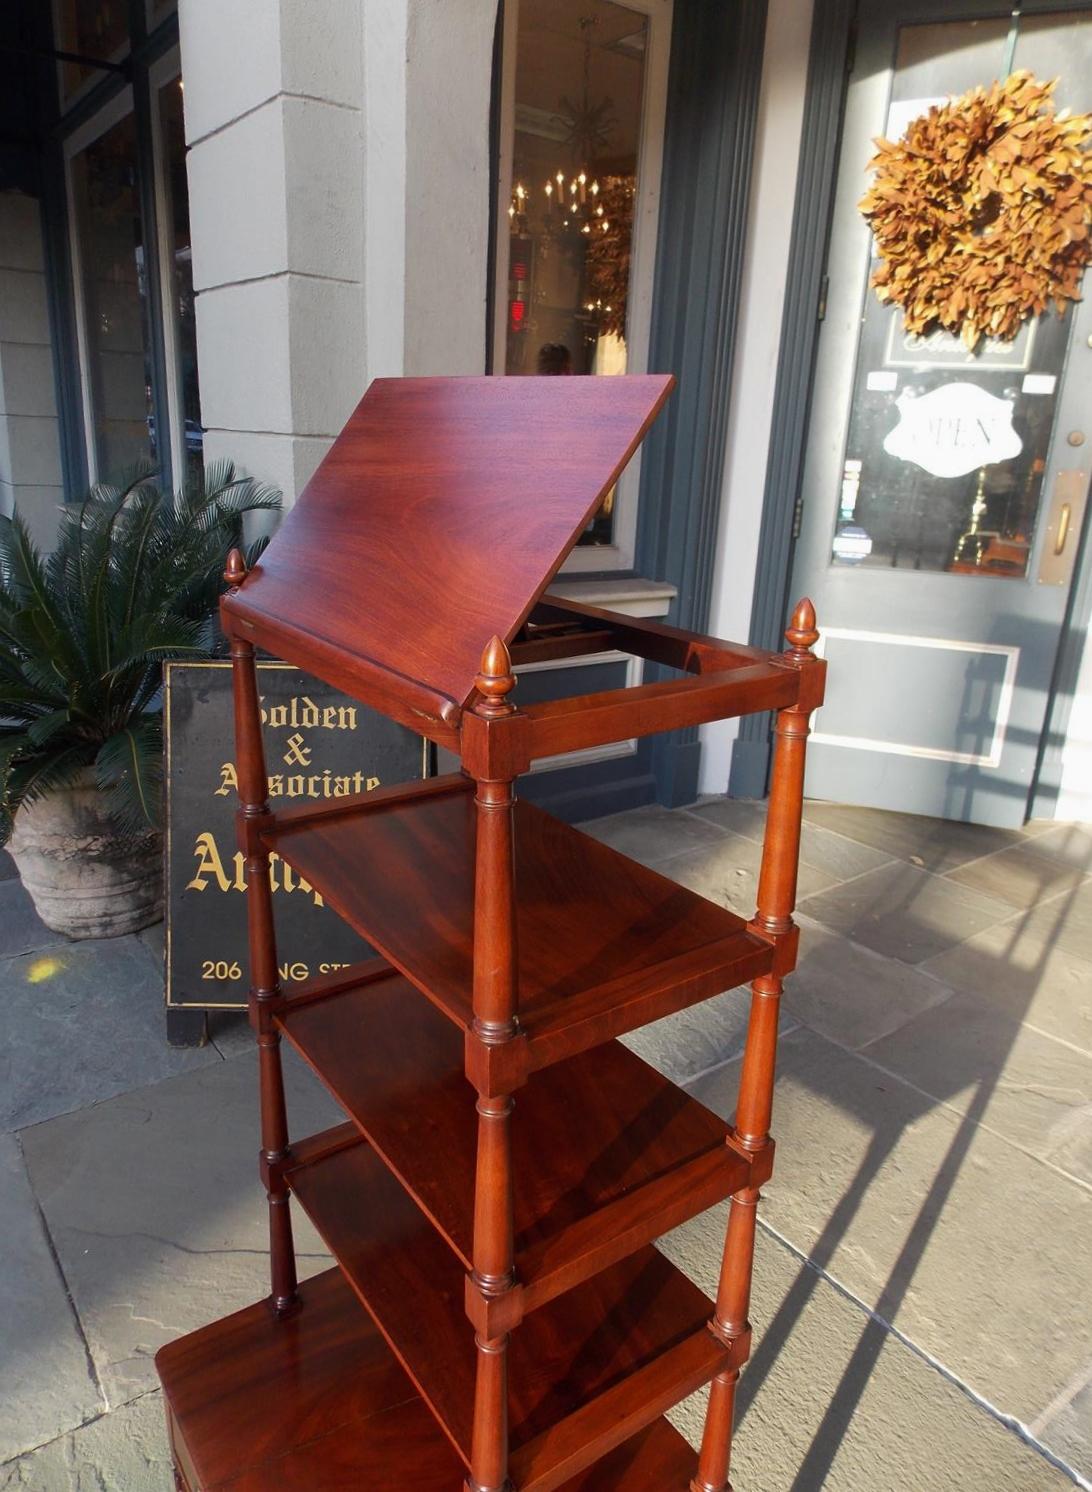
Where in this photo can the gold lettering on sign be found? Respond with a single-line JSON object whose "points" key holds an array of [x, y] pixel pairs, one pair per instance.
{"points": [[301, 713], [325, 784], [298, 753], [213, 871]]}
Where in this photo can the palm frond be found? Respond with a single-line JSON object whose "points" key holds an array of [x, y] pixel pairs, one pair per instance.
{"points": [[153, 639], [22, 570], [43, 729], [32, 776], [135, 578], [129, 770]]}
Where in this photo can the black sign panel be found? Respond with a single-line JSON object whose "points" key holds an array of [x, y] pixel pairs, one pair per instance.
{"points": [[319, 745]]}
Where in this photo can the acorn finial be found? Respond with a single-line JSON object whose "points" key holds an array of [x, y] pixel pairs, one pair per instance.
{"points": [[495, 681], [802, 633], [235, 569]]}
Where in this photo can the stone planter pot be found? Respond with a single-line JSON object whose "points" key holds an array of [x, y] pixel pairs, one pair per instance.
{"points": [[85, 879]]}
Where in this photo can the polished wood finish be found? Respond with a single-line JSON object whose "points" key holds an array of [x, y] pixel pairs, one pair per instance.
{"points": [[604, 944], [429, 478], [586, 1370], [250, 1393], [492, 1199], [608, 1153], [316, 1402], [495, 984], [776, 900], [253, 814]]}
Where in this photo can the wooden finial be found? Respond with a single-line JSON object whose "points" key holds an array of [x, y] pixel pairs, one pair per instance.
{"points": [[802, 633], [495, 681], [235, 569]]}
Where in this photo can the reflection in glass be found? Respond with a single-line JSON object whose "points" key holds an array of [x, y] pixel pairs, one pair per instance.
{"points": [[580, 79], [179, 273], [946, 449], [115, 298], [92, 28]]}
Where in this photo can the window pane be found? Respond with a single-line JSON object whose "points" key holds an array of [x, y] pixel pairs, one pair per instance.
{"points": [[179, 287], [115, 299], [579, 93], [93, 28], [946, 449]]}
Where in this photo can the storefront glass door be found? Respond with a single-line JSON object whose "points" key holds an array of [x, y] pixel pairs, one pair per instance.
{"points": [[944, 491], [583, 92], [112, 297]]}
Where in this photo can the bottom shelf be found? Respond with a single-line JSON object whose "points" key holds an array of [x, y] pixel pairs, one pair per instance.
{"points": [[317, 1403]]}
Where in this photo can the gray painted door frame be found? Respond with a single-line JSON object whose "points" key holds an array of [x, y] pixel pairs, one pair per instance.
{"points": [[713, 95], [831, 62]]}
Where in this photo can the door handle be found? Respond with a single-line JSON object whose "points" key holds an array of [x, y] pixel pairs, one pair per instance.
{"points": [[1065, 517]]}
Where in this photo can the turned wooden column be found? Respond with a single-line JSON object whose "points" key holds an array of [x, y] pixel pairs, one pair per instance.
{"points": [[776, 900], [252, 816], [495, 1023]]}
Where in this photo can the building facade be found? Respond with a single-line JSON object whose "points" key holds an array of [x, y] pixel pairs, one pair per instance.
{"points": [[219, 222]]}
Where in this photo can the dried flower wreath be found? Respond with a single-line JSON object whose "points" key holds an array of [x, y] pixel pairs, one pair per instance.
{"points": [[981, 212], [609, 253]]}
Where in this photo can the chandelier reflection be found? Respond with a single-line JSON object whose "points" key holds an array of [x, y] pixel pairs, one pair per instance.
{"points": [[571, 205]]}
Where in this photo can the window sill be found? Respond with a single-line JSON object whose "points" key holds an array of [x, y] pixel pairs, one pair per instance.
{"points": [[633, 596]]}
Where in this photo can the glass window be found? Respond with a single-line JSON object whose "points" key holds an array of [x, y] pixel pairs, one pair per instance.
{"points": [[92, 28], [110, 254], [181, 339], [576, 118], [946, 449]]}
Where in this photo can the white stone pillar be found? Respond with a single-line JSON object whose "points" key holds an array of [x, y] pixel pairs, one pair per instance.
{"points": [[448, 86], [30, 449], [274, 122], [339, 204]]}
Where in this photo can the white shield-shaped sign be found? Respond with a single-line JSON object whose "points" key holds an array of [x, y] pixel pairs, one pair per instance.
{"points": [[953, 430]]}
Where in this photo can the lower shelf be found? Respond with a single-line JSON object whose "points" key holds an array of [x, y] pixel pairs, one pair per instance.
{"points": [[586, 1371], [608, 1153], [317, 1403]]}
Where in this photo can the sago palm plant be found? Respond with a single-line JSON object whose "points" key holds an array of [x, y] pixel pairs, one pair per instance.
{"points": [[134, 580]]}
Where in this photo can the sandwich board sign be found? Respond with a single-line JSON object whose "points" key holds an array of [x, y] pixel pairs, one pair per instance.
{"points": [[320, 745]]}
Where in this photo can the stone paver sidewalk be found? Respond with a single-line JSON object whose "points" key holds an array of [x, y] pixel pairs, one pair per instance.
{"points": [[922, 1311]]}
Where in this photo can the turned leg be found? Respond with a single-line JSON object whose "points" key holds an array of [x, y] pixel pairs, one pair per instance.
{"points": [[776, 899], [253, 816], [495, 1003]]}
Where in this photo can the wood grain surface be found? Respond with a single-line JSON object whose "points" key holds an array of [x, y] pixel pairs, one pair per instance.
{"points": [[608, 1153], [443, 510], [586, 1371], [317, 1403], [605, 944]]}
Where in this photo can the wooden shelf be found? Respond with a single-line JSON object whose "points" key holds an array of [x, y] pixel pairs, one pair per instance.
{"points": [[586, 1371], [492, 1202], [611, 1154], [317, 1403], [605, 945], [257, 1402]]}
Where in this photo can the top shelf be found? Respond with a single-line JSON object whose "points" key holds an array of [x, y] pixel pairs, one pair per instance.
{"points": [[437, 519], [407, 568], [605, 944]]}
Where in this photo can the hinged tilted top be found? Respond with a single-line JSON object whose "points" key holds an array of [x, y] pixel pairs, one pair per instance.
{"points": [[440, 515]]}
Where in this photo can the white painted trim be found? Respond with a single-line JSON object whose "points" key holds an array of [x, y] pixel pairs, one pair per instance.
{"points": [[619, 554], [112, 113], [167, 71], [992, 758], [587, 754], [633, 597], [506, 152], [386, 51]]}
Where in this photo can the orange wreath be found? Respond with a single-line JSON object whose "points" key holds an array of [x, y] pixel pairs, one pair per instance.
{"points": [[981, 212]]}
